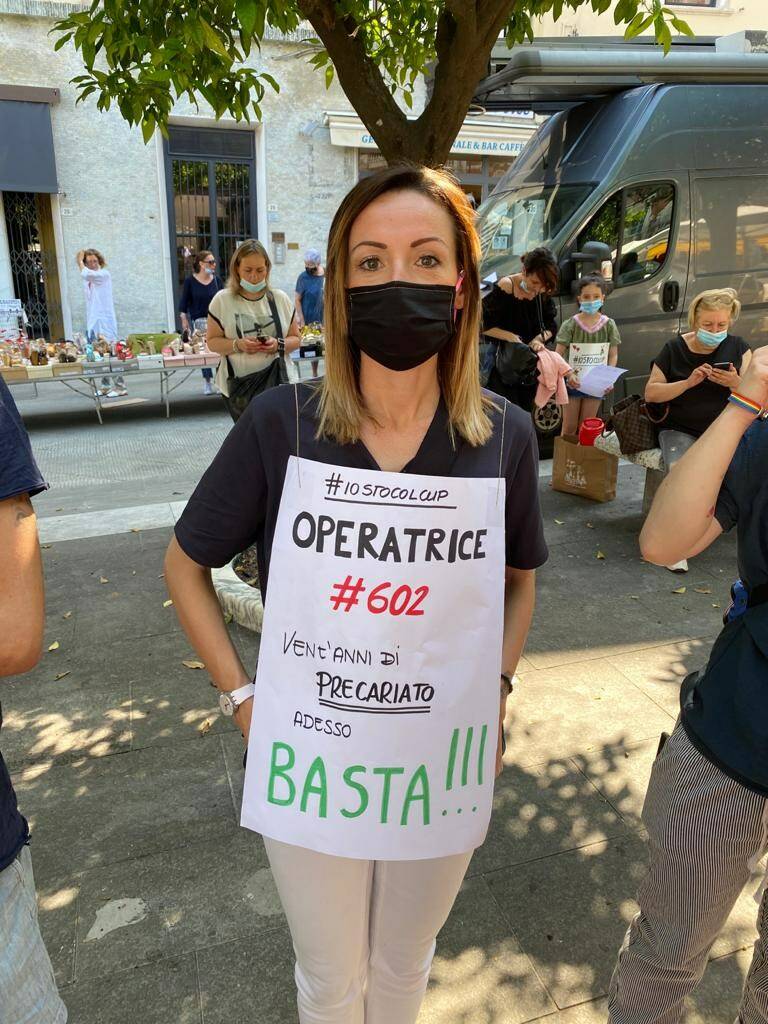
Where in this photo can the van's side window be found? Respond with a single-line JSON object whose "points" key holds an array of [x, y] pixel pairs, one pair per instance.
{"points": [[731, 229], [637, 225]]}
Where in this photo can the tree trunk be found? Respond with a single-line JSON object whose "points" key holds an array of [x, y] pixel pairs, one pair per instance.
{"points": [[466, 35]]}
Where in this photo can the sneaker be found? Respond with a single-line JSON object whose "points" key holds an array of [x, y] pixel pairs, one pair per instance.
{"points": [[102, 392], [122, 392], [113, 394], [679, 567], [207, 387]]}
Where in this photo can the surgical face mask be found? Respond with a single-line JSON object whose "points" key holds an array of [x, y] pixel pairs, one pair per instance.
{"points": [[399, 324], [524, 285], [254, 289], [710, 339], [593, 306], [209, 269]]}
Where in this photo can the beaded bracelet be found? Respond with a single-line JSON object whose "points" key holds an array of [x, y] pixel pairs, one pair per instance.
{"points": [[748, 405]]}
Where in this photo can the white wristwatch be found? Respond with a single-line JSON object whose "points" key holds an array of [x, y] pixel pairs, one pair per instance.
{"points": [[231, 701]]}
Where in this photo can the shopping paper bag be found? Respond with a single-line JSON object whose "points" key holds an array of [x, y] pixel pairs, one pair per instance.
{"points": [[584, 470]]}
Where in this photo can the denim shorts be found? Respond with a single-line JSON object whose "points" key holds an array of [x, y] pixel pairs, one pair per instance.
{"points": [[28, 990]]}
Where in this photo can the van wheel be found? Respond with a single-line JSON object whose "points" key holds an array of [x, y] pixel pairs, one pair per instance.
{"points": [[548, 423]]}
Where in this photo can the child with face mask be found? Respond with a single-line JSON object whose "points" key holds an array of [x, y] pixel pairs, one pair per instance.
{"points": [[695, 373], [590, 338]]}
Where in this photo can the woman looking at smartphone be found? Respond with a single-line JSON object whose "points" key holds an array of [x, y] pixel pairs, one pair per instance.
{"points": [[695, 373], [249, 322]]}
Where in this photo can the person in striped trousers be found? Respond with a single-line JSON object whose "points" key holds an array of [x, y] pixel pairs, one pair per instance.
{"points": [[706, 809]]}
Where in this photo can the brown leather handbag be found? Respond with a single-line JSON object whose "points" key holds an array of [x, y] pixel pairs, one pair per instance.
{"points": [[636, 424]]}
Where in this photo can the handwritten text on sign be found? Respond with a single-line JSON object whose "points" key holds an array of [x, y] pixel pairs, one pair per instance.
{"points": [[375, 721]]}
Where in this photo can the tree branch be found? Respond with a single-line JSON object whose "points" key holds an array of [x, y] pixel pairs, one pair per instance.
{"points": [[463, 44], [359, 77]]}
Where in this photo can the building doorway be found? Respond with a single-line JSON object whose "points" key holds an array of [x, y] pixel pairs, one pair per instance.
{"points": [[211, 187], [32, 253]]}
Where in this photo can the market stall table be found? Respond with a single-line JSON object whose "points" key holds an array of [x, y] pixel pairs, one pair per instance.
{"points": [[87, 383]]}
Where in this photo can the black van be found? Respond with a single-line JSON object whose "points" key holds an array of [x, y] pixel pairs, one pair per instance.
{"points": [[671, 181]]}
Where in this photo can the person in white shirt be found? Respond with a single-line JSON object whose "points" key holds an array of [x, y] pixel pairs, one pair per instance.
{"points": [[100, 316]]}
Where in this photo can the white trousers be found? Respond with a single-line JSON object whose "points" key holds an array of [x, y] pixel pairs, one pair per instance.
{"points": [[363, 931]]}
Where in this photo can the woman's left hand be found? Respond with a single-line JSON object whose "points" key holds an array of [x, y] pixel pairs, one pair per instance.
{"points": [[726, 378]]}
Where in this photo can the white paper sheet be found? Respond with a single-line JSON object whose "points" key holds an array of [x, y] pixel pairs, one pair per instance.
{"points": [[598, 379], [375, 718]]}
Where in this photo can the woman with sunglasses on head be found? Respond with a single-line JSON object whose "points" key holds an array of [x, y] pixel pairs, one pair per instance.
{"points": [[196, 294], [401, 400]]}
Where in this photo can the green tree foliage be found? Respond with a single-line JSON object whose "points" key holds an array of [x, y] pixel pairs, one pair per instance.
{"points": [[144, 54]]}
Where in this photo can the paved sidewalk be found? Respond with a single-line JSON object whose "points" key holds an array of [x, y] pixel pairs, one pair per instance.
{"points": [[157, 907]]}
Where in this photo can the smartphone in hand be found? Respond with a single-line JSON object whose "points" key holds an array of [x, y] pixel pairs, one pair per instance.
{"points": [[721, 366]]}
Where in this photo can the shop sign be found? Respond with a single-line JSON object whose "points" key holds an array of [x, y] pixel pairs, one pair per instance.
{"points": [[463, 144]]}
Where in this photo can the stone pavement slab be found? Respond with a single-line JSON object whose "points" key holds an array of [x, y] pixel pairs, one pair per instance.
{"points": [[480, 973], [659, 671], [57, 913], [80, 526], [717, 997], [557, 712], [183, 899], [620, 774], [158, 993], [99, 811], [60, 720], [542, 810], [570, 912], [249, 980]]}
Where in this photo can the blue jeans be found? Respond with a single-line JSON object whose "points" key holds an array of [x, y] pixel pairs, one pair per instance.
{"points": [[207, 373], [28, 990]]}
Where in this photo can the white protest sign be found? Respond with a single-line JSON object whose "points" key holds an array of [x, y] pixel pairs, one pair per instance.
{"points": [[583, 355], [375, 720]]}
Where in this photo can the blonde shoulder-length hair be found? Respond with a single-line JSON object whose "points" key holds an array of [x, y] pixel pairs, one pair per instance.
{"points": [[342, 408], [713, 299], [250, 247]]}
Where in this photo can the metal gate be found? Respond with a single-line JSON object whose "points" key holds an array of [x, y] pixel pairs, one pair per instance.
{"points": [[34, 269], [211, 178]]}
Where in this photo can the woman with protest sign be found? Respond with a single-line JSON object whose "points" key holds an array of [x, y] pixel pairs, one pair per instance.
{"points": [[385, 503]]}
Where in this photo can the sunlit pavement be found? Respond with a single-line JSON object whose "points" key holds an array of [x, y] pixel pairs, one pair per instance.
{"points": [[157, 907]]}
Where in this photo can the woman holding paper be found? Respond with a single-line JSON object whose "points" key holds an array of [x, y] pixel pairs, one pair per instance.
{"points": [[385, 503]]}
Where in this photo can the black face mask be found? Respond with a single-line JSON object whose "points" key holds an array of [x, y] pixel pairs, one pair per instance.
{"points": [[311, 270], [399, 324]]}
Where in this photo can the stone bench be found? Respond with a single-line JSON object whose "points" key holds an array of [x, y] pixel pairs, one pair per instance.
{"points": [[237, 599], [651, 459]]}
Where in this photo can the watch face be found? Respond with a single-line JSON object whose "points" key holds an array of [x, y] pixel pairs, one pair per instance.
{"points": [[226, 704]]}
